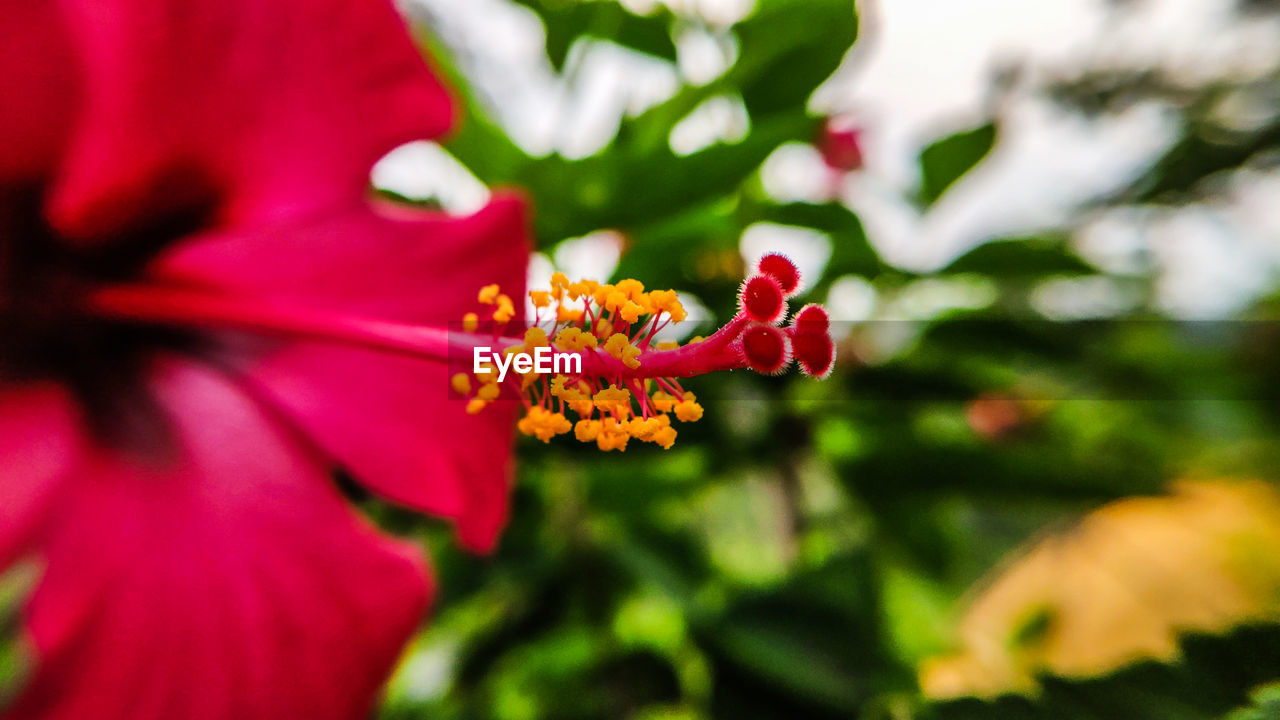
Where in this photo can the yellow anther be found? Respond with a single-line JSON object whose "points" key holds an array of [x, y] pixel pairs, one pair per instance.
{"points": [[475, 405], [667, 301], [655, 429], [470, 322], [662, 299], [567, 339], [488, 294], [612, 436], [613, 400], [631, 311], [577, 397], [461, 383], [663, 402], [582, 288], [535, 337], [544, 424], [665, 437], [695, 339], [586, 430], [574, 339], [505, 310], [582, 406], [668, 345], [567, 315], [648, 428], [540, 298], [688, 409], [632, 289], [488, 392], [604, 328], [559, 281], [601, 294], [619, 346], [488, 374], [638, 429], [615, 300], [616, 343]]}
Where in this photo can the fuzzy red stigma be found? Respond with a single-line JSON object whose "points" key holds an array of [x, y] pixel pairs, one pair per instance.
{"points": [[815, 352], [782, 270], [762, 299], [811, 319], [766, 349]]}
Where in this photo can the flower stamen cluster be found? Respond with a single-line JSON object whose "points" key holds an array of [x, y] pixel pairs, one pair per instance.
{"points": [[629, 384]]}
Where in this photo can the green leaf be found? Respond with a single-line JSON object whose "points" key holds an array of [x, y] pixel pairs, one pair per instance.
{"points": [[638, 179], [788, 48], [915, 610], [17, 660], [1214, 675], [608, 20], [947, 160], [1200, 153], [628, 187], [1265, 705], [1022, 258], [815, 638]]}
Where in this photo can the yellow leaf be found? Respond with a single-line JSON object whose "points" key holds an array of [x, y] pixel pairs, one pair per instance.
{"points": [[1119, 587]]}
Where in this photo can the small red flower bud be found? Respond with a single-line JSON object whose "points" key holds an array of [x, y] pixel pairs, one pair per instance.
{"points": [[994, 415], [812, 319], [815, 352], [766, 348], [782, 270], [762, 299], [841, 147]]}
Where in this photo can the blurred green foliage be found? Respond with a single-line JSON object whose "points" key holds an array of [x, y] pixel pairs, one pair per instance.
{"points": [[802, 548], [1209, 682], [567, 20], [16, 653], [947, 160]]}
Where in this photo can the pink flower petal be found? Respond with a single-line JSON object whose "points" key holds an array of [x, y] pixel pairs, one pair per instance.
{"points": [[270, 109], [39, 445], [224, 579], [38, 83], [389, 420]]}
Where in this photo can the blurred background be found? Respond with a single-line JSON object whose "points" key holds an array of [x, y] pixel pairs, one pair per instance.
{"points": [[1038, 483]]}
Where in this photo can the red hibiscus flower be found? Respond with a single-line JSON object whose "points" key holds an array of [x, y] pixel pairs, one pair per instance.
{"points": [[171, 475]]}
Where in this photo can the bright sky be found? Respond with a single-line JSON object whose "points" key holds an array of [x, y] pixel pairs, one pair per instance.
{"points": [[922, 70]]}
